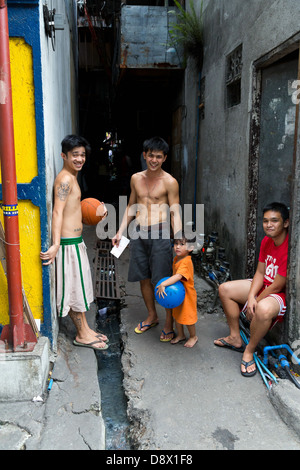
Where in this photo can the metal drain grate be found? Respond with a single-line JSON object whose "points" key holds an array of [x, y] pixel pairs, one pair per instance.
{"points": [[106, 284]]}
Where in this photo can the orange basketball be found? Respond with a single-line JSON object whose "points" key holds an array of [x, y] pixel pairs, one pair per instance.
{"points": [[88, 208]]}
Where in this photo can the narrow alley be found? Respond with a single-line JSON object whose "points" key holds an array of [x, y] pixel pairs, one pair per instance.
{"points": [[195, 399], [218, 80], [177, 399]]}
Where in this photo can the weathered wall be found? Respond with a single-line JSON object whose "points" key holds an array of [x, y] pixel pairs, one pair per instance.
{"points": [[223, 153], [230, 142], [145, 39], [59, 81], [292, 326]]}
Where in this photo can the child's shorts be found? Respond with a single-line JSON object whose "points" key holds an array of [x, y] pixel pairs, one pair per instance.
{"points": [[74, 279]]}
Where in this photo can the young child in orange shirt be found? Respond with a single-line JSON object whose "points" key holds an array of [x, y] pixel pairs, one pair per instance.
{"points": [[186, 313]]}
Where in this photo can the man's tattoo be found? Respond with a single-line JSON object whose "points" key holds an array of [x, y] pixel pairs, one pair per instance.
{"points": [[77, 319], [77, 229], [63, 191]]}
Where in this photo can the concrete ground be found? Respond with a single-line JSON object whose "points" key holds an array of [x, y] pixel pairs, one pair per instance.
{"points": [[178, 398], [68, 417], [196, 399]]}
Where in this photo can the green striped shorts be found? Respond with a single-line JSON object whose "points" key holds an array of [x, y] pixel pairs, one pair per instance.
{"points": [[74, 284]]}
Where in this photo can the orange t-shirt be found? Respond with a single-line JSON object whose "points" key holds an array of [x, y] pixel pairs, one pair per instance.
{"points": [[186, 313]]}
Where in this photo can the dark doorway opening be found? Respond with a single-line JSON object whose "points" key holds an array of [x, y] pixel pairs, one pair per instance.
{"points": [[117, 120], [272, 134], [278, 114]]}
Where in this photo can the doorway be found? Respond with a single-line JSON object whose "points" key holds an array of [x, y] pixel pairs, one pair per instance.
{"points": [[277, 130], [272, 131]]}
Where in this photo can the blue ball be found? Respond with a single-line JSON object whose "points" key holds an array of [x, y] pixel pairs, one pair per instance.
{"points": [[175, 294]]}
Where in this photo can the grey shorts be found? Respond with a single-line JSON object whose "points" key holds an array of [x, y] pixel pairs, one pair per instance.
{"points": [[150, 259]]}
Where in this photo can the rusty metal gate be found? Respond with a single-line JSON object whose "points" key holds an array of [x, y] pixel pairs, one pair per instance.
{"points": [[106, 284]]}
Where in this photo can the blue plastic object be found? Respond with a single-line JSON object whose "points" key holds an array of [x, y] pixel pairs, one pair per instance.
{"points": [[264, 372], [175, 294], [280, 346]]}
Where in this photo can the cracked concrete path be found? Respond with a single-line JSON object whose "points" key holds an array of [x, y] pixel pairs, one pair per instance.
{"points": [[73, 413], [12, 433], [70, 416], [193, 399], [19, 423]]}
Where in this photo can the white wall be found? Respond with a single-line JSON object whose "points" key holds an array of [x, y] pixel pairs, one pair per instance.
{"points": [[59, 84], [59, 88]]}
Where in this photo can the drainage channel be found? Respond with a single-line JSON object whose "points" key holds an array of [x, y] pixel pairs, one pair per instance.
{"points": [[110, 376]]}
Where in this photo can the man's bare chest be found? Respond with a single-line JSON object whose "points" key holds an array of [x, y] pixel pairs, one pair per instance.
{"points": [[152, 190]]}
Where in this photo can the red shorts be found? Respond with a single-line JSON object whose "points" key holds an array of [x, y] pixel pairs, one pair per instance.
{"points": [[280, 297]]}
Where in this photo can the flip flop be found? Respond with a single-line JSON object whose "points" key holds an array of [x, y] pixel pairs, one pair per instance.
{"points": [[166, 340], [247, 364], [103, 340], [90, 345], [139, 330], [228, 345]]}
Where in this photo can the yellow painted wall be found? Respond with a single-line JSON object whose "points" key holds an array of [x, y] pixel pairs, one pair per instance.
{"points": [[27, 169]]}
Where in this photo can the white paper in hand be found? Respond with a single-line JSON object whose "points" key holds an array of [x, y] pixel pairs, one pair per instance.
{"points": [[118, 250]]}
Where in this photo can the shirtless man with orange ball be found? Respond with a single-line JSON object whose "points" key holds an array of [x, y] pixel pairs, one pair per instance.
{"points": [[74, 281]]}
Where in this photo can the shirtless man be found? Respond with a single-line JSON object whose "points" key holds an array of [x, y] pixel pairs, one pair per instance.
{"points": [[74, 281], [153, 193]]}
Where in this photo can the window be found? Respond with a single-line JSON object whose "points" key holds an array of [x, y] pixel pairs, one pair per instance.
{"points": [[233, 77]]}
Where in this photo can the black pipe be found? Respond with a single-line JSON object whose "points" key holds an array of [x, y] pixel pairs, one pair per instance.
{"points": [[291, 377]]}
